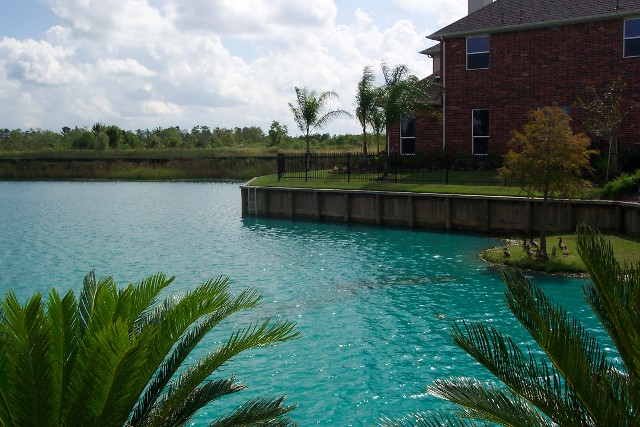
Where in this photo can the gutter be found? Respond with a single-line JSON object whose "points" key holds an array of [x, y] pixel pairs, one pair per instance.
{"points": [[444, 94], [533, 25]]}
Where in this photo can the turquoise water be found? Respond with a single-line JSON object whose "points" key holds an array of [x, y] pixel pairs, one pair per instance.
{"points": [[374, 305]]}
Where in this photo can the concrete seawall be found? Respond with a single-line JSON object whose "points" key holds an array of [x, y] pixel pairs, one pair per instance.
{"points": [[485, 214]]}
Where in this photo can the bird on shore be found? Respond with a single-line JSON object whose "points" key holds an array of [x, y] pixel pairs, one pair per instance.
{"points": [[565, 251], [553, 250], [505, 252], [527, 250], [560, 244], [533, 243]]}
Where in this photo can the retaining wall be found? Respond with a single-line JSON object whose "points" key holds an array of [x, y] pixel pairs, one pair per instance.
{"points": [[485, 214]]}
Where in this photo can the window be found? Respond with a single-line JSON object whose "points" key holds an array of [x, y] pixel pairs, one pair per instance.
{"points": [[477, 53], [408, 134], [480, 131], [632, 37], [565, 108]]}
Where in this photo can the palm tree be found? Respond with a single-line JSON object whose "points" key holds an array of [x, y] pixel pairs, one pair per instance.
{"points": [[403, 93], [366, 104], [310, 112], [377, 119], [116, 357], [577, 383]]}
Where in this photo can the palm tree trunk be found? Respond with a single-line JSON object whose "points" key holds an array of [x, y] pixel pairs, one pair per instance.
{"points": [[308, 159]]}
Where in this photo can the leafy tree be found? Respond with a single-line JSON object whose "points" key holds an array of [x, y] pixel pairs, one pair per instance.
{"points": [[115, 136], [116, 357], [276, 133], [366, 98], [577, 383], [310, 112], [548, 158], [82, 139], [605, 114]]}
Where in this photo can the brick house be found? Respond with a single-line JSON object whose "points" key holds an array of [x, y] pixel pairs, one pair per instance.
{"points": [[509, 57]]}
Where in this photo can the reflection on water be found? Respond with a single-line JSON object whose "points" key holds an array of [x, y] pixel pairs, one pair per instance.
{"points": [[374, 305]]}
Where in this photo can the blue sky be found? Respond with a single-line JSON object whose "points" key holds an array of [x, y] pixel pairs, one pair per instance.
{"points": [[159, 63]]}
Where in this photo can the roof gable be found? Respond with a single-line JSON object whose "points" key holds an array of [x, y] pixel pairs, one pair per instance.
{"points": [[511, 15]]}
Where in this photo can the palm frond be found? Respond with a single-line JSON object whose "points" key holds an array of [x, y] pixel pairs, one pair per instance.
{"points": [[254, 412], [574, 352], [614, 296], [31, 376], [65, 326], [200, 397], [528, 376], [188, 340], [429, 419], [99, 368], [146, 292], [265, 334], [487, 402]]}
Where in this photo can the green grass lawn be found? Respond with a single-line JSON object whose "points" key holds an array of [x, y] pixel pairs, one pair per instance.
{"points": [[272, 181], [355, 184]]}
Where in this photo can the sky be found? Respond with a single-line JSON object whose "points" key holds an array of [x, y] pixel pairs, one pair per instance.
{"points": [[143, 64]]}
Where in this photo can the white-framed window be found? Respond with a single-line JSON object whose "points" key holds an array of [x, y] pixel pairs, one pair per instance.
{"points": [[632, 37], [408, 133], [480, 132], [478, 53]]}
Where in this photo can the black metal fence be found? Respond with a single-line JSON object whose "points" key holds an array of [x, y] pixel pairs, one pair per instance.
{"points": [[442, 168]]}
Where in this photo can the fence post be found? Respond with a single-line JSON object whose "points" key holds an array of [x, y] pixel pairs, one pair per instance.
{"points": [[395, 168], [281, 163], [307, 165], [446, 168], [348, 167]]}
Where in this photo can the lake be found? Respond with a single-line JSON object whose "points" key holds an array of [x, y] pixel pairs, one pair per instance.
{"points": [[374, 305]]}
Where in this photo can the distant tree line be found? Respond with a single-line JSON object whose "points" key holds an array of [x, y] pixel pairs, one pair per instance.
{"points": [[106, 137]]}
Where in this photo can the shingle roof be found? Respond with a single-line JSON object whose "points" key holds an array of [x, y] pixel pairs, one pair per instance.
{"points": [[509, 15], [431, 50]]}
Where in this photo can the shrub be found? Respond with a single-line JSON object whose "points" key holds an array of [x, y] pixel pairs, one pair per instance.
{"points": [[625, 184]]}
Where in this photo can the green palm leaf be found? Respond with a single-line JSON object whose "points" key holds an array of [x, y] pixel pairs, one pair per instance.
{"points": [[614, 295], [65, 324], [428, 419], [255, 336], [256, 412], [30, 371], [186, 344], [487, 402]]}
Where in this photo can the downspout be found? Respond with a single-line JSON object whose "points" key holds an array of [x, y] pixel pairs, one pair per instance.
{"points": [[444, 95]]}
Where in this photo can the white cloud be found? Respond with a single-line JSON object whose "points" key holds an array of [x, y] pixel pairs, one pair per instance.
{"points": [[150, 63], [445, 11], [37, 62], [123, 67]]}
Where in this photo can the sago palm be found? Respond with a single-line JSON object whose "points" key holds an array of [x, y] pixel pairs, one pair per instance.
{"points": [[576, 383], [116, 357]]}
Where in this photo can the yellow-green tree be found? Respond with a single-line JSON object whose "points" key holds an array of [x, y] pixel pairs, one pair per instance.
{"points": [[548, 158]]}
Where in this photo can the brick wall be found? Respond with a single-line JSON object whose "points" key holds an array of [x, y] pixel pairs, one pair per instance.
{"points": [[531, 69]]}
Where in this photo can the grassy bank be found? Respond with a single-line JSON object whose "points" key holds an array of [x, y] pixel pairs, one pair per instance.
{"points": [[488, 190], [626, 249], [236, 168]]}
